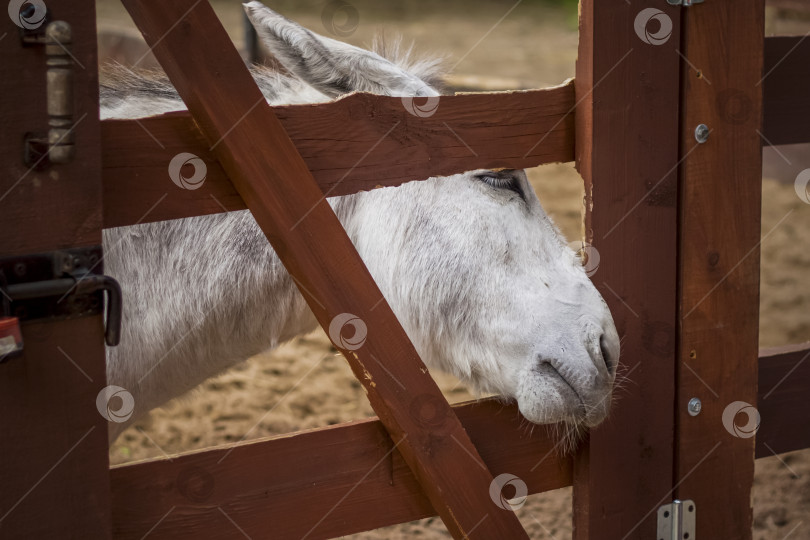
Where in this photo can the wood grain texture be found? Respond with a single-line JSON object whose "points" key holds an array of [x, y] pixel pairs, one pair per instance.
{"points": [[346, 145], [53, 449], [320, 484], [275, 183], [54, 468], [719, 260], [786, 85], [627, 151], [784, 384]]}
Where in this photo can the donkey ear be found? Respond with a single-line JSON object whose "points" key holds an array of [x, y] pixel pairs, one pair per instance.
{"points": [[330, 66]]}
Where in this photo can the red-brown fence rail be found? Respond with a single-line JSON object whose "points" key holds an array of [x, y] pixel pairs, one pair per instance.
{"points": [[271, 480], [497, 130], [322, 483], [784, 384], [475, 131], [786, 87]]}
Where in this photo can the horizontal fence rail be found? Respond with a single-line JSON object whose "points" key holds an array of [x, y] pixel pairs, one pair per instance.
{"points": [[348, 147], [784, 387], [343, 479], [786, 87], [356, 143], [319, 484]]}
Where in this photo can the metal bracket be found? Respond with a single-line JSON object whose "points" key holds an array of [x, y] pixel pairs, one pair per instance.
{"points": [[676, 520], [63, 284], [685, 3]]}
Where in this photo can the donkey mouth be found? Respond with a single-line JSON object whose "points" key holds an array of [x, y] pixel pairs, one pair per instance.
{"points": [[587, 406], [550, 398], [573, 396]]}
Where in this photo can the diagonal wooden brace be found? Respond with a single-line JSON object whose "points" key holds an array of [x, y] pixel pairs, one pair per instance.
{"points": [[275, 183]]}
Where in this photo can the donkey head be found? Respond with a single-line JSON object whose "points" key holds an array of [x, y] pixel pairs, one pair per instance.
{"points": [[481, 279]]}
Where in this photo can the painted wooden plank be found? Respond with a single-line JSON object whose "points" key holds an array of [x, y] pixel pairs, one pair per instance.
{"points": [[53, 450], [472, 131], [627, 152], [275, 183], [784, 384], [786, 85], [324, 483], [55, 467], [719, 259]]}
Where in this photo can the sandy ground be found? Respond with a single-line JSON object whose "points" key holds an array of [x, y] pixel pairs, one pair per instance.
{"points": [[305, 384]]}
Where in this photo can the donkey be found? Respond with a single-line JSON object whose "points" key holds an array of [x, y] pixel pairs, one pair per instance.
{"points": [[479, 276]]}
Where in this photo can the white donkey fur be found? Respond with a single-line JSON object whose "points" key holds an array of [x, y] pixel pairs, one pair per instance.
{"points": [[476, 272]]}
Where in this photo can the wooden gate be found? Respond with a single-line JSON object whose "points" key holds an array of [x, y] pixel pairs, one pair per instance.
{"points": [[672, 208]]}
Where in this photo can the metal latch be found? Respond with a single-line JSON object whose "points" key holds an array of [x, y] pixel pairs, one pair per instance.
{"points": [[676, 520], [684, 3], [61, 284]]}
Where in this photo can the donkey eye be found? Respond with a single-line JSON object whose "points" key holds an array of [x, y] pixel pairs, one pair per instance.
{"points": [[502, 180]]}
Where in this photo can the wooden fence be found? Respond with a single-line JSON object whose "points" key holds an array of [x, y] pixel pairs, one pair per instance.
{"points": [[677, 224]]}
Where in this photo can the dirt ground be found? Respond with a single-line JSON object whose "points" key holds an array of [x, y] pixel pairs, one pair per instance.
{"points": [[306, 384]]}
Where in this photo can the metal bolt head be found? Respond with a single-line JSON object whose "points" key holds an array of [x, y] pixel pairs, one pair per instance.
{"points": [[702, 133], [67, 264], [694, 406]]}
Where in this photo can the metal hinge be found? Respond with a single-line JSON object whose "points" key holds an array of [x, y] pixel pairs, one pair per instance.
{"points": [[676, 520], [684, 3], [36, 29], [57, 144]]}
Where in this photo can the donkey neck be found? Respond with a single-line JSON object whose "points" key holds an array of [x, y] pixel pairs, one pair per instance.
{"points": [[200, 295]]}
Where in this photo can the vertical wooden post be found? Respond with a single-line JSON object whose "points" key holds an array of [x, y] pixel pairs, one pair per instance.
{"points": [[54, 479], [627, 91], [719, 261]]}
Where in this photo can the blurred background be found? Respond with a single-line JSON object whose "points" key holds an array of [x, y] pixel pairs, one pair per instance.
{"points": [[487, 45]]}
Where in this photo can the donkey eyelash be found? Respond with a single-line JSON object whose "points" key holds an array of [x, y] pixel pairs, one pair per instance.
{"points": [[502, 181]]}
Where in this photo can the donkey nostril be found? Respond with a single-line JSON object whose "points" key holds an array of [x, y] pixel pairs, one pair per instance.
{"points": [[609, 362]]}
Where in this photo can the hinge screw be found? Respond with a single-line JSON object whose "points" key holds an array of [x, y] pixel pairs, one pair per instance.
{"points": [[694, 406], [702, 133]]}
